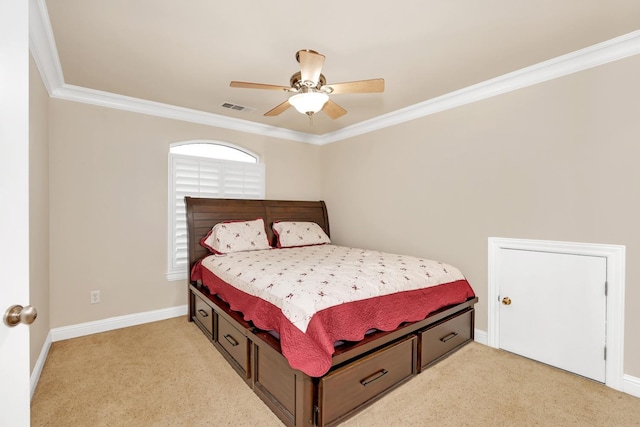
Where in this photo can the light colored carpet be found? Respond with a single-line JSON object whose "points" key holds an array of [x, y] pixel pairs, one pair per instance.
{"points": [[167, 374]]}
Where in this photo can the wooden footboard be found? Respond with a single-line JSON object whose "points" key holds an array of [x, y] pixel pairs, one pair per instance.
{"points": [[361, 372]]}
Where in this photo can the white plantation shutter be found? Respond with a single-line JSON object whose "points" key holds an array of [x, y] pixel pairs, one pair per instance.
{"points": [[204, 177]]}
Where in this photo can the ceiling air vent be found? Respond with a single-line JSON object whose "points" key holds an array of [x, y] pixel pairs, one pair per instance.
{"points": [[237, 107]]}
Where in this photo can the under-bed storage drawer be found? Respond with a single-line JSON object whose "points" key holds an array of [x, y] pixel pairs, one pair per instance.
{"points": [[235, 343], [203, 315], [444, 337], [352, 386]]}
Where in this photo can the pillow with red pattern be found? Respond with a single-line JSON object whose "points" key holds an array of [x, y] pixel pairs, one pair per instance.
{"points": [[293, 234], [236, 236]]}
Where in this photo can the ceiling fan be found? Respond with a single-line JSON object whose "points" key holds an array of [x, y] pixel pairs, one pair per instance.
{"points": [[310, 88]]}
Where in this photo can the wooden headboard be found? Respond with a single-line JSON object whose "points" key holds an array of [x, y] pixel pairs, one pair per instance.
{"points": [[203, 214]]}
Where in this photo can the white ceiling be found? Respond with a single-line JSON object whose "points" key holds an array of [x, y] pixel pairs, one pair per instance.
{"points": [[185, 53]]}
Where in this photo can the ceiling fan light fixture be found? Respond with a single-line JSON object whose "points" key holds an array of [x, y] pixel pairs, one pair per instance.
{"points": [[309, 102]]}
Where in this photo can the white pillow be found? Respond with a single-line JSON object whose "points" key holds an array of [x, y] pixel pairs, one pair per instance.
{"points": [[294, 234], [236, 236]]}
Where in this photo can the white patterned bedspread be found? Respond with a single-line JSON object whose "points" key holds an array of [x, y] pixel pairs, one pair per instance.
{"points": [[303, 281]]}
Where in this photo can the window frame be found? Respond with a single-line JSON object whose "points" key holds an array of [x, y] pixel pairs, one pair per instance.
{"points": [[174, 271]]}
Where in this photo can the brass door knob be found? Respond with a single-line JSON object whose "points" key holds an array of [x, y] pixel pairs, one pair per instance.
{"points": [[506, 301]]}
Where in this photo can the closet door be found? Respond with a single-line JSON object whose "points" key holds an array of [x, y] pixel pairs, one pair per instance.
{"points": [[553, 309]]}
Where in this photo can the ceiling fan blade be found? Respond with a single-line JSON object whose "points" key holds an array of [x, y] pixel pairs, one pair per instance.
{"points": [[278, 109], [333, 110], [248, 85], [310, 65], [361, 86]]}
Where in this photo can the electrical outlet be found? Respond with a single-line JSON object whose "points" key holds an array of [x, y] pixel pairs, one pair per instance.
{"points": [[95, 297]]}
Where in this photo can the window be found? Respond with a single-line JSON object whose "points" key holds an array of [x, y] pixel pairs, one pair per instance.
{"points": [[205, 169]]}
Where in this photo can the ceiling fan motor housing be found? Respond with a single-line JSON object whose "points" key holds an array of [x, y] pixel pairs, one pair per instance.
{"points": [[299, 85]]}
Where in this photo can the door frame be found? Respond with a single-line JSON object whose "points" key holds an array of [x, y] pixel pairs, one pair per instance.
{"points": [[615, 256]]}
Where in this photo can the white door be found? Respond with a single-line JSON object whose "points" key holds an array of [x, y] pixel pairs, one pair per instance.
{"points": [[553, 309], [14, 208]]}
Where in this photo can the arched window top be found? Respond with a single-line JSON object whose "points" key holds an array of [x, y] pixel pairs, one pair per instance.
{"points": [[213, 150]]}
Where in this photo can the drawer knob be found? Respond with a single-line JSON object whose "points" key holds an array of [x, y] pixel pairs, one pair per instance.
{"points": [[506, 301], [203, 313], [375, 377], [451, 336], [231, 340]]}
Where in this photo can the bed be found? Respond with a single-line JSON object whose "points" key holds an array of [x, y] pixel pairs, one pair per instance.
{"points": [[309, 368]]}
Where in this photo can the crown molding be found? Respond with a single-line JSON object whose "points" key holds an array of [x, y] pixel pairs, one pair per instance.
{"points": [[45, 54], [136, 105], [583, 59], [42, 45]]}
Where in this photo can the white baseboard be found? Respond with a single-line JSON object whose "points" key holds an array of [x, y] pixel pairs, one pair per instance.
{"points": [[631, 385], [37, 369], [480, 336], [89, 328]]}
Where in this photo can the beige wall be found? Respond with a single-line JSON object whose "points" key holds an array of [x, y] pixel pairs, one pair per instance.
{"points": [[38, 211], [108, 171], [555, 161]]}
